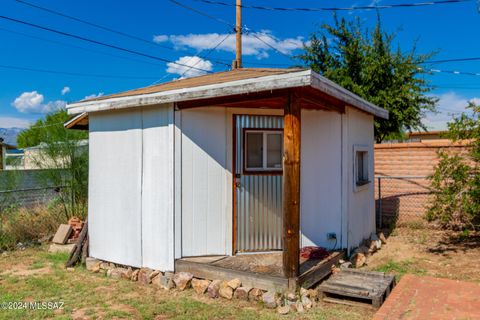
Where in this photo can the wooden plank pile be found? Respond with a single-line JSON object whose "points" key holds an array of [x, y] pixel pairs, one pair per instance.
{"points": [[356, 287]]}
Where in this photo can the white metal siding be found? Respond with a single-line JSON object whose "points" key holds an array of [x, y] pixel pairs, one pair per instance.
{"points": [[157, 193], [204, 179], [131, 187], [320, 192], [115, 177], [361, 204]]}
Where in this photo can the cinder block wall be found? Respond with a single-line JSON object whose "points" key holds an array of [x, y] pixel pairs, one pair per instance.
{"points": [[404, 168]]}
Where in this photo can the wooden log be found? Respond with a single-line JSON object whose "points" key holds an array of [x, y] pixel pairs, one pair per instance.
{"points": [[75, 256], [291, 188]]}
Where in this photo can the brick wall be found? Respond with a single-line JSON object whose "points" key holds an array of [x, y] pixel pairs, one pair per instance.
{"points": [[401, 171]]}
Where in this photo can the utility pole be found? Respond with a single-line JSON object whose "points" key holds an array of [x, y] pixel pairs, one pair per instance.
{"points": [[237, 63]]}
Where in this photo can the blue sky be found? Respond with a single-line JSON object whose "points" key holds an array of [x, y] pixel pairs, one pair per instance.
{"points": [[450, 29]]}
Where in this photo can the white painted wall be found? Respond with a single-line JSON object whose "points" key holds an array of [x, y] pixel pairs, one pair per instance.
{"points": [[360, 204], [158, 184], [320, 189], [131, 187], [115, 179], [204, 177]]}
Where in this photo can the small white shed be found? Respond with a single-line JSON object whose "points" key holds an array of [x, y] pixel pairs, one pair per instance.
{"points": [[249, 160]]}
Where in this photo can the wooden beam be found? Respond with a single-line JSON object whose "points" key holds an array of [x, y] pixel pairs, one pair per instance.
{"points": [[291, 185], [271, 99]]}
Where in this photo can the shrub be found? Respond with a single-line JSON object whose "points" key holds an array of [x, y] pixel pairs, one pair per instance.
{"points": [[456, 180], [29, 224]]}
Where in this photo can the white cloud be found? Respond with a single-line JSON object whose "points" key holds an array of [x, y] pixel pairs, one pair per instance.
{"points": [[12, 122], [449, 105], [183, 66], [65, 90], [257, 44], [93, 96], [32, 102], [160, 38]]}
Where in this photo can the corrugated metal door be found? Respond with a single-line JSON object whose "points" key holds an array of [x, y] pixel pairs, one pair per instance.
{"points": [[258, 194]]}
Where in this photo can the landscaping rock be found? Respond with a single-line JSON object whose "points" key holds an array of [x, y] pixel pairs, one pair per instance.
{"points": [[312, 294], [225, 291], [144, 276], [61, 248], [269, 300], [346, 265], [182, 280], [291, 296], [234, 283], [382, 238], [154, 274], [298, 307], [126, 273], [213, 288], [92, 263], [134, 276], [200, 286], [306, 302], [255, 294], [358, 260], [104, 266], [303, 291], [242, 293], [115, 273], [283, 310], [165, 281]]}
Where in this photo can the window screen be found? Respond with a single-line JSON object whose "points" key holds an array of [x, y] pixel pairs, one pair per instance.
{"points": [[274, 150], [361, 167]]}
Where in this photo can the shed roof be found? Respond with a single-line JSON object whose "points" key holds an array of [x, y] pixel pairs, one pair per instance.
{"points": [[228, 83]]}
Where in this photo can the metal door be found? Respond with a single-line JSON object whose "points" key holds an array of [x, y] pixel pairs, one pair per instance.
{"points": [[258, 195]]}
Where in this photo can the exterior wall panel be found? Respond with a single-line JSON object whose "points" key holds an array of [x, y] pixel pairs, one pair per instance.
{"points": [[321, 171], [115, 181]]}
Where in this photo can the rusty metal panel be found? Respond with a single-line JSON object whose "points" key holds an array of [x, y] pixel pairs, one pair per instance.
{"points": [[259, 197]]}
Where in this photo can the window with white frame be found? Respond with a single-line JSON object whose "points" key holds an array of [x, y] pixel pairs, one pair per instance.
{"points": [[361, 166], [263, 150]]}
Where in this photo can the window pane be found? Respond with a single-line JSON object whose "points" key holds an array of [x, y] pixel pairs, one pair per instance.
{"points": [[362, 166], [274, 150], [254, 150]]}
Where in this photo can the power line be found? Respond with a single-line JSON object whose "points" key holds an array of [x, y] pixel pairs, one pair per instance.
{"points": [[449, 72], [92, 24], [374, 7], [73, 73], [97, 42], [454, 60], [253, 32], [78, 47]]}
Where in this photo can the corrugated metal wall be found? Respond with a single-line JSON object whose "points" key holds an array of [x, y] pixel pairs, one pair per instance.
{"points": [[259, 197]]}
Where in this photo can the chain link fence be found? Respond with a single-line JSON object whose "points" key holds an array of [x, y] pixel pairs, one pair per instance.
{"points": [[401, 199]]}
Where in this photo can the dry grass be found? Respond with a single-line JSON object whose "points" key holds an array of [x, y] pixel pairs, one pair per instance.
{"points": [[35, 275], [427, 251]]}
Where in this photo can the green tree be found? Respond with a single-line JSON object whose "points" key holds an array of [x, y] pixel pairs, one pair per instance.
{"points": [[367, 64], [63, 156], [456, 179]]}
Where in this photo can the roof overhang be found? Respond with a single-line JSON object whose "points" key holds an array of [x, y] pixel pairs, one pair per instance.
{"points": [[290, 80], [79, 122]]}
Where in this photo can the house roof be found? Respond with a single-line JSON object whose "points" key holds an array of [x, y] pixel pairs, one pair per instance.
{"points": [[228, 83]]}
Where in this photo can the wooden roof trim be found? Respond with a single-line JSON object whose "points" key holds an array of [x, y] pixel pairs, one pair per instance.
{"points": [[78, 122], [296, 79]]}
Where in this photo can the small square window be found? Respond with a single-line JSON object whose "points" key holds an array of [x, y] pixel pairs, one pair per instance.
{"points": [[361, 167], [263, 150]]}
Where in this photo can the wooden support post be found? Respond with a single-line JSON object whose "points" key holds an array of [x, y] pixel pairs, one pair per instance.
{"points": [[291, 186]]}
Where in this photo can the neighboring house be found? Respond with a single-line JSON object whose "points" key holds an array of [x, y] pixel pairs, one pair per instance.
{"points": [[249, 160], [3, 153], [37, 158]]}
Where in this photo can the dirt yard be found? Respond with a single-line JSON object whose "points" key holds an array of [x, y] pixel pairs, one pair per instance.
{"points": [[35, 275], [420, 250]]}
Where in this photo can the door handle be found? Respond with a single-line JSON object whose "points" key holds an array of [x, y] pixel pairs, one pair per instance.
{"points": [[238, 184]]}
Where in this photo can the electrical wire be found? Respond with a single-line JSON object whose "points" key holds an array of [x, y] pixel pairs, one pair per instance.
{"points": [[370, 7], [134, 37], [97, 42], [78, 74]]}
